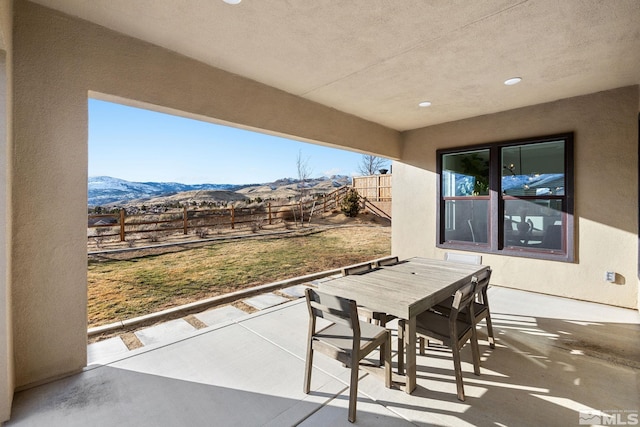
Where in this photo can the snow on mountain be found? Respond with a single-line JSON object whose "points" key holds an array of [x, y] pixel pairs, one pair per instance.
{"points": [[106, 190], [103, 190]]}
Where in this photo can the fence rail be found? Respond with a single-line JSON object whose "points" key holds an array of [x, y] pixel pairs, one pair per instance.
{"points": [[120, 225]]}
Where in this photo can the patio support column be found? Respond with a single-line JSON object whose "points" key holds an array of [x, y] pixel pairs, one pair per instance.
{"points": [[49, 180], [6, 335]]}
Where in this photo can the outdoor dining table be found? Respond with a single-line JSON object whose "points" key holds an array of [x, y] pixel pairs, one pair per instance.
{"points": [[405, 290]]}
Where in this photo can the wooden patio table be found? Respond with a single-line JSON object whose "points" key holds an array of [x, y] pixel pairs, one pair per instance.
{"points": [[405, 290]]}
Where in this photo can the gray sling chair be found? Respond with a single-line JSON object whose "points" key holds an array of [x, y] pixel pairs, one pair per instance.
{"points": [[481, 303], [347, 339], [378, 317], [453, 329]]}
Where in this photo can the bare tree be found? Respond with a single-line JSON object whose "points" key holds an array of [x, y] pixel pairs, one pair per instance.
{"points": [[370, 164], [304, 173]]}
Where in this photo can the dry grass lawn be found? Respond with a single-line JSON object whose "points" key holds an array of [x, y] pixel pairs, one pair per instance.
{"points": [[121, 287]]}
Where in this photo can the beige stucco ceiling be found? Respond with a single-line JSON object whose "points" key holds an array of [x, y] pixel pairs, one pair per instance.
{"points": [[377, 59]]}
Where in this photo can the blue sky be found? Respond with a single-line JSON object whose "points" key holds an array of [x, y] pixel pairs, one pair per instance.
{"points": [[141, 145]]}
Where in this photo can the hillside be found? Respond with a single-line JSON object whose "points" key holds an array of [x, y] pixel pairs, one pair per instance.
{"points": [[109, 192]]}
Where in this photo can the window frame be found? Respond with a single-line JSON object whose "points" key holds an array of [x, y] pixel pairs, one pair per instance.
{"points": [[496, 214]]}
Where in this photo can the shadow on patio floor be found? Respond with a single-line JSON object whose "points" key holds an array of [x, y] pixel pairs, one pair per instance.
{"points": [[554, 358]]}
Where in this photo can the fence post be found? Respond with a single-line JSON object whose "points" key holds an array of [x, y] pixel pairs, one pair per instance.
{"points": [[184, 219], [122, 224], [233, 226], [269, 207], [324, 203]]}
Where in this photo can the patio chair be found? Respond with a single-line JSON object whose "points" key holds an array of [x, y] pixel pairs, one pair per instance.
{"points": [[347, 339], [384, 318], [388, 317], [453, 330], [481, 306], [463, 258], [357, 269], [377, 317], [552, 238], [386, 262], [481, 303]]}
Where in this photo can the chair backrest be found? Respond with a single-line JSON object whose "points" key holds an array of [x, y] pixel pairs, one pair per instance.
{"points": [[463, 258], [387, 261], [463, 297], [357, 269], [333, 308], [483, 278], [552, 238], [483, 285]]}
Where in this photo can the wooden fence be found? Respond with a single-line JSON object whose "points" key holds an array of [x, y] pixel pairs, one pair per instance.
{"points": [[120, 225], [375, 188]]}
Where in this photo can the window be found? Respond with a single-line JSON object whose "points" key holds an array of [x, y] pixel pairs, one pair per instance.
{"points": [[465, 190], [513, 198]]}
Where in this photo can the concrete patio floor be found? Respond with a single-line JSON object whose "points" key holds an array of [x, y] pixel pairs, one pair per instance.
{"points": [[554, 358]]}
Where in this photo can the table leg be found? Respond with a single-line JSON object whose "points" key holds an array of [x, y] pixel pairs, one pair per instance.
{"points": [[410, 354], [401, 333]]}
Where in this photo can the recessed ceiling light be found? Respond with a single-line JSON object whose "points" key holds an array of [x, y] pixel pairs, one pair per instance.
{"points": [[512, 81], [424, 104], [232, 1]]}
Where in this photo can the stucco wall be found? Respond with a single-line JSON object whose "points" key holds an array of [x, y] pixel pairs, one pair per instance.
{"points": [[6, 333], [59, 61], [606, 193]]}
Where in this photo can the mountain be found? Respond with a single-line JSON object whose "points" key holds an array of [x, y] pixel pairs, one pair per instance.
{"points": [[106, 190]]}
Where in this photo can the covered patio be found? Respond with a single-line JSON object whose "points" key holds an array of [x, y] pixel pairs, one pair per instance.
{"points": [[555, 360], [412, 81]]}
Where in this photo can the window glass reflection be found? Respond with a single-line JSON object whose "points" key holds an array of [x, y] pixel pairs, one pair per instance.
{"points": [[465, 174], [467, 221], [533, 170], [533, 223]]}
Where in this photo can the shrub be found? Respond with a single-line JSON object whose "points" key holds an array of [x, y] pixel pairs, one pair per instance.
{"points": [[285, 213], [350, 205], [256, 226]]}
